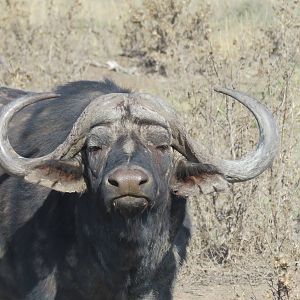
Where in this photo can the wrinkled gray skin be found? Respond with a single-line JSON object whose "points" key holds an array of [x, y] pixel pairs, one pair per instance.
{"points": [[103, 216]]}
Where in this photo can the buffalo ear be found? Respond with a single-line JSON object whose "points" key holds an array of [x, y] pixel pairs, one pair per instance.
{"points": [[190, 177], [60, 175]]}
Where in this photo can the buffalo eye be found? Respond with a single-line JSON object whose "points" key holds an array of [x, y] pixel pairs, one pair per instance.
{"points": [[163, 148], [93, 149]]}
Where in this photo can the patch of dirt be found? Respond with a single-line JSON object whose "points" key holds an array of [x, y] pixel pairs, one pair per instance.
{"points": [[237, 291], [224, 292]]}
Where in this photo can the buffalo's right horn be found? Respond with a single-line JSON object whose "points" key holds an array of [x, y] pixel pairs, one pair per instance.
{"points": [[13, 163]]}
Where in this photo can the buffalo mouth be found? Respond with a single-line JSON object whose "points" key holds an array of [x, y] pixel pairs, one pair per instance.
{"points": [[130, 205]]}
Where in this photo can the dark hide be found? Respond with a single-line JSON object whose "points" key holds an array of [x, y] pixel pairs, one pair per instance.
{"points": [[66, 246]]}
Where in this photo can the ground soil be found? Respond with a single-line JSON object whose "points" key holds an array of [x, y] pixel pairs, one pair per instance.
{"points": [[231, 292], [239, 290], [224, 292]]}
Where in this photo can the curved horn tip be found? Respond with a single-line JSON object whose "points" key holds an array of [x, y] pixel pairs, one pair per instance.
{"points": [[51, 95], [220, 89]]}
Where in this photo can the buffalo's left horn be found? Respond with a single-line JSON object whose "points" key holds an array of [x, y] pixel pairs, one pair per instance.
{"points": [[252, 164]]}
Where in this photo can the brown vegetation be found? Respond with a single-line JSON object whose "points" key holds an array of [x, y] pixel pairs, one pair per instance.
{"points": [[252, 233]]}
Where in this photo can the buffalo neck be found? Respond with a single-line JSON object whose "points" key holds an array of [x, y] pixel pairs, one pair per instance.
{"points": [[127, 248]]}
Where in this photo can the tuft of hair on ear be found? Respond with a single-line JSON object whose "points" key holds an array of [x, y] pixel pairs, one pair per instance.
{"points": [[187, 169], [190, 177], [66, 170]]}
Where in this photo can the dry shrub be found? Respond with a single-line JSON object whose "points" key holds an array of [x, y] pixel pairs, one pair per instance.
{"points": [[48, 43], [281, 287], [163, 35]]}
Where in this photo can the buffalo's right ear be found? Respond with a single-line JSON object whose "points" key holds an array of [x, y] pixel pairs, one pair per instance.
{"points": [[189, 176], [62, 175]]}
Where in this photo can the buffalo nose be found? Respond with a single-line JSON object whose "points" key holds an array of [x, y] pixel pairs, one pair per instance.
{"points": [[128, 180]]}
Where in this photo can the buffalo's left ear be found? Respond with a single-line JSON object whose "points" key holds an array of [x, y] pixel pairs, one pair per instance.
{"points": [[60, 175], [189, 177]]}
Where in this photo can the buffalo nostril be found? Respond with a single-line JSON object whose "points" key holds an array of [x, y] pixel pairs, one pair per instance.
{"points": [[113, 182], [143, 181]]}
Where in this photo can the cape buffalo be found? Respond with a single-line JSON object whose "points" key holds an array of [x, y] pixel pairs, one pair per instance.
{"points": [[97, 209]]}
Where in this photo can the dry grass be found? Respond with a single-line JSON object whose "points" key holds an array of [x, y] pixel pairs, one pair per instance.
{"points": [[163, 34], [52, 42], [248, 232]]}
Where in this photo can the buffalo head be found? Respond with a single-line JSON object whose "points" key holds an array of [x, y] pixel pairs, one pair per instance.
{"points": [[121, 149]]}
